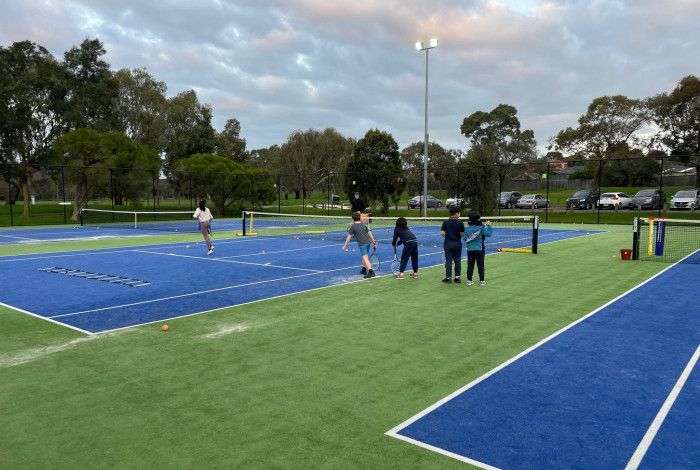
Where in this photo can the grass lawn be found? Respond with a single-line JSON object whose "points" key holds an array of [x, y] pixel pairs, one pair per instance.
{"points": [[311, 380]]}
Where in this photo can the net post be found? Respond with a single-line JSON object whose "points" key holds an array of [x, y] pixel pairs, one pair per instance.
{"points": [[81, 218], [535, 230], [243, 223], [635, 238]]}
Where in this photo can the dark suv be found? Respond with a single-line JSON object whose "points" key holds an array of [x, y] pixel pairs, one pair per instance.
{"points": [[508, 199], [651, 198], [583, 199]]}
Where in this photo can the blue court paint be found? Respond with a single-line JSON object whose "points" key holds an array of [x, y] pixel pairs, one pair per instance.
{"points": [[185, 280], [585, 398]]}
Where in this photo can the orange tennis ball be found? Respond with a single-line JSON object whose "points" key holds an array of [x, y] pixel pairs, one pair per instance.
{"points": [[165, 327]]}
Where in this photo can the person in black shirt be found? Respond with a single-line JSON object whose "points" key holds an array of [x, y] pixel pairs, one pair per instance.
{"points": [[453, 230], [402, 234], [358, 205]]}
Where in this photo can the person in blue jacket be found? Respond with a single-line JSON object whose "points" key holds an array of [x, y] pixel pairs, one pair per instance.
{"points": [[474, 235], [403, 235]]}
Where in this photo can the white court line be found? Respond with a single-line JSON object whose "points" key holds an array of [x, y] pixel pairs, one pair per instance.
{"points": [[394, 432], [47, 319], [20, 238], [220, 260], [661, 415], [218, 289]]}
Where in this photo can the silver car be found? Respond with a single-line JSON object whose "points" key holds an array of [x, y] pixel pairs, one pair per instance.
{"points": [[688, 199], [532, 201]]}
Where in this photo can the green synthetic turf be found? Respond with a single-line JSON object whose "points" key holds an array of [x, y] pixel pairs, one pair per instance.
{"points": [[311, 380]]}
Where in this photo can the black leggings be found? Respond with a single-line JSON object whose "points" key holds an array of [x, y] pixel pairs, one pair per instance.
{"points": [[410, 250], [478, 257]]}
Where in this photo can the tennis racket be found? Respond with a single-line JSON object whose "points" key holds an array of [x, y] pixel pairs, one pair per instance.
{"points": [[374, 259], [395, 264]]}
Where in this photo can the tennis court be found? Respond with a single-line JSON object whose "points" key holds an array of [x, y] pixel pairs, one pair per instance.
{"points": [[104, 290]]}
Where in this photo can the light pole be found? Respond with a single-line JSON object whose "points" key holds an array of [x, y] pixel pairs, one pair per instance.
{"points": [[421, 46]]}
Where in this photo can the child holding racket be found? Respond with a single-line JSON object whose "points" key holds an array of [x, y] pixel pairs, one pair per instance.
{"points": [[363, 236], [403, 235], [475, 234], [204, 216], [453, 229]]}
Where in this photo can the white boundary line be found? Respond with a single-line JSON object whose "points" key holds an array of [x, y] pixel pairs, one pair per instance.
{"points": [[649, 436], [394, 432], [221, 260], [47, 319]]}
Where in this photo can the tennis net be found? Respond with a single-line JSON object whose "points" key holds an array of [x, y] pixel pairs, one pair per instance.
{"points": [[517, 233], [668, 240], [168, 221]]}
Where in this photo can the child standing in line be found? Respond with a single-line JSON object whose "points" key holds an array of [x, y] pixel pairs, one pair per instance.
{"points": [[475, 234], [410, 247], [363, 236], [204, 215], [453, 230]]}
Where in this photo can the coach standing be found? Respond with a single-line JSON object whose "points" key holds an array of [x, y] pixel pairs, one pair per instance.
{"points": [[358, 205]]}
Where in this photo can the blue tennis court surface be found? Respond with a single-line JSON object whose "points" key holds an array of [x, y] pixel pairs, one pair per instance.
{"points": [[586, 397], [101, 290]]}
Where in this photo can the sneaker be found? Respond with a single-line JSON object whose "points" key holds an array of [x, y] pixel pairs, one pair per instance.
{"points": [[414, 275], [447, 280], [470, 283], [400, 276], [211, 250], [370, 274], [457, 280], [363, 270], [482, 283]]}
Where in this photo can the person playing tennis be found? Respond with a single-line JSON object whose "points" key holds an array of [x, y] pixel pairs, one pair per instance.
{"points": [[475, 235], [365, 239], [403, 235], [204, 216], [453, 230]]}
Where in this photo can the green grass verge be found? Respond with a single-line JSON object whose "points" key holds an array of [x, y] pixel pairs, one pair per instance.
{"points": [[311, 380]]}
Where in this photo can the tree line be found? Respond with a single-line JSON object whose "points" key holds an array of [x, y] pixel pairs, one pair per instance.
{"points": [[79, 114]]}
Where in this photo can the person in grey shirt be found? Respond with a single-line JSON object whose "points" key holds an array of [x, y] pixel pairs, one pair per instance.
{"points": [[363, 236]]}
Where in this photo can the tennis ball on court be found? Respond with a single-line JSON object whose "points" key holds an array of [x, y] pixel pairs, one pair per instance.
{"points": [[263, 252], [188, 246], [614, 256], [165, 327]]}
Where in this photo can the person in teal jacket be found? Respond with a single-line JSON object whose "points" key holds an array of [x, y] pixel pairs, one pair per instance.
{"points": [[474, 235]]}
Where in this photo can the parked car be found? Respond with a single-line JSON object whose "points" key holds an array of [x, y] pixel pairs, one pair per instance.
{"points": [[508, 199], [615, 200], [532, 201], [416, 202], [455, 201], [651, 198], [686, 199], [583, 199]]}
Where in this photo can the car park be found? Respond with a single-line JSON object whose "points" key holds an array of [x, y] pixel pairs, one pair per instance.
{"points": [[532, 201], [614, 200], [416, 202], [648, 198], [687, 199], [508, 199], [583, 199]]}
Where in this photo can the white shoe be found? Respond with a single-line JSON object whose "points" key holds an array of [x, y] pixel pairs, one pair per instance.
{"points": [[482, 283], [470, 283], [211, 250]]}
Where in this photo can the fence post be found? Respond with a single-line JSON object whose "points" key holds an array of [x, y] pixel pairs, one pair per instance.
{"points": [[223, 196], [154, 191], [252, 192], [546, 214], [191, 195], [328, 193], [500, 188], [303, 194], [661, 185], [279, 194], [63, 191], [600, 177], [9, 196]]}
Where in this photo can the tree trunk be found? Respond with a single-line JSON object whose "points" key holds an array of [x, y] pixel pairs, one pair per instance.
{"points": [[81, 198], [25, 195]]}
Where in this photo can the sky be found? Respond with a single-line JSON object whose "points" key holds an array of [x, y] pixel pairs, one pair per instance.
{"points": [[281, 66]]}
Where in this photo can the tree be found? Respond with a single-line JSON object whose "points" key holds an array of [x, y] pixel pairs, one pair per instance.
{"points": [[95, 161], [32, 108], [678, 117], [229, 142], [92, 88], [441, 165], [498, 133], [140, 108], [308, 158], [375, 169], [478, 175], [226, 182], [189, 130]]}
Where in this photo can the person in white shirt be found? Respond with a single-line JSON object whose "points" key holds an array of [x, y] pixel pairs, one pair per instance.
{"points": [[204, 216]]}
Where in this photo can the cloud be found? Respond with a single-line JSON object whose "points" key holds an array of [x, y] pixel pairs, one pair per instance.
{"points": [[299, 64]]}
